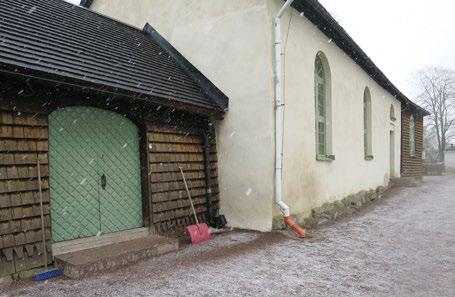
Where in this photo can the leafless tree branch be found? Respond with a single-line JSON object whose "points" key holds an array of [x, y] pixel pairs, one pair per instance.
{"points": [[437, 94]]}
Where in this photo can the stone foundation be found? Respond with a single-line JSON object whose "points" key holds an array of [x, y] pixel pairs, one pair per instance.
{"points": [[332, 210]]}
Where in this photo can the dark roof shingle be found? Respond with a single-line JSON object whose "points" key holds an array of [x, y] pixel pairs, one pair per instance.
{"points": [[53, 37]]}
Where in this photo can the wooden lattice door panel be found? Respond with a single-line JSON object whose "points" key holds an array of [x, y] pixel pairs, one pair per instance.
{"points": [[95, 173], [171, 147], [121, 198], [23, 140]]}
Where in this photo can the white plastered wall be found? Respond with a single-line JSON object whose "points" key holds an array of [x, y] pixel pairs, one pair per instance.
{"points": [[309, 183], [229, 42]]}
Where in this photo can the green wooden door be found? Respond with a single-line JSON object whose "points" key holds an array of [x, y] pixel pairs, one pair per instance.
{"points": [[94, 173], [120, 165]]}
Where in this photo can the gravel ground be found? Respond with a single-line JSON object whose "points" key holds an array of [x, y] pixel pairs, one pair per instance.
{"points": [[403, 245]]}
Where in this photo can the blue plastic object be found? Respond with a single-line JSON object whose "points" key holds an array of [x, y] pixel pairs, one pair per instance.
{"points": [[45, 275]]}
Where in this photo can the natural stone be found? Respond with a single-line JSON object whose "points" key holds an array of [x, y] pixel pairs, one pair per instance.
{"points": [[309, 221], [332, 210], [278, 223], [373, 196], [347, 202], [322, 221], [27, 274], [357, 199], [5, 280]]}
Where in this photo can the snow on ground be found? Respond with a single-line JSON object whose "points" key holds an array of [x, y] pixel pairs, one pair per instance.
{"points": [[403, 245]]}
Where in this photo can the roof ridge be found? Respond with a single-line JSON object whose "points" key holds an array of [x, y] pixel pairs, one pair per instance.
{"points": [[206, 85]]}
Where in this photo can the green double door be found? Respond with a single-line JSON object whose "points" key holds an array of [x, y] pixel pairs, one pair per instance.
{"points": [[95, 182]]}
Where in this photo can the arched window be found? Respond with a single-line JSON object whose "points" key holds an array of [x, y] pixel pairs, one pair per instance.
{"points": [[367, 125], [323, 108], [412, 137], [392, 113]]}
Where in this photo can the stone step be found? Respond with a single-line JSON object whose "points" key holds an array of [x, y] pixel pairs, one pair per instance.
{"points": [[98, 241], [82, 263]]}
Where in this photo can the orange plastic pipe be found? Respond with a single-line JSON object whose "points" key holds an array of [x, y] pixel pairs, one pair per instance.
{"points": [[299, 231]]}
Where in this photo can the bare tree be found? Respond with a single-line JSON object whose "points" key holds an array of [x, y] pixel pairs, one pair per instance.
{"points": [[437, 94]]}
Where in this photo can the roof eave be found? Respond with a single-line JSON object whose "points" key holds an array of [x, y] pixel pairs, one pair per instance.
{"points": [[417, 109], [14, 70], [321, 18]]}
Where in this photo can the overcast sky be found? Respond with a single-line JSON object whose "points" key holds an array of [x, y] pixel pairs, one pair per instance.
{"points": [[400, 36]]}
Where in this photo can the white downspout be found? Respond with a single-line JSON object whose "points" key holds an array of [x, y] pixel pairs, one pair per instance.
{"points": [[279, 111]]}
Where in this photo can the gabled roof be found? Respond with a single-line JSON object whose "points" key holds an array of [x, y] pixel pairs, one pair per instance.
{"points": [[55, 40], [321, 18]]}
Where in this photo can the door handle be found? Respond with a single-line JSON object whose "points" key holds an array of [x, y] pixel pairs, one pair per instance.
{"points": [[103, 181]]}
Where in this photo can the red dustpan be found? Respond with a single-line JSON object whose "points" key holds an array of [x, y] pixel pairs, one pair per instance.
{"points": [[200, 232]]}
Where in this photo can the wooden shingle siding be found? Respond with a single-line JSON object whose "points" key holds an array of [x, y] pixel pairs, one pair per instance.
{"points": [[411, 166], [23, 140], [170, 147]]}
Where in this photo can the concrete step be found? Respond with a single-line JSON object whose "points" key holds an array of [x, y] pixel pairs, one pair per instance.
{"points": [[82, 263], [98, 241]]}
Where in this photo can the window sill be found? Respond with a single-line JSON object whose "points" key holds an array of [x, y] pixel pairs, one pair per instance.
{"points": [[325, 158], [369, 157]]}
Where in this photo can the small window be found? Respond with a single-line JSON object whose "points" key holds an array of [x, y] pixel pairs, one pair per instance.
{"points": [[323, 108], [392, 113], [367, 125], [412, 138]]}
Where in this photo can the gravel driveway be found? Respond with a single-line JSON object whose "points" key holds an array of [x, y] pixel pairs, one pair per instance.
{"points": [[403, 245]]}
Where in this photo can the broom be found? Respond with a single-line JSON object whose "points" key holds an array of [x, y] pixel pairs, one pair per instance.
{"points": [[200, 232], [46, 273]]}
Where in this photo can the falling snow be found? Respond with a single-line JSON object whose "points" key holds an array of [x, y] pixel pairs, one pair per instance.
{"points": [[32, 9]]}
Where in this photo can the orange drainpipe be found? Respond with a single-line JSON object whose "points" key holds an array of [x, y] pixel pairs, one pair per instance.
{"points": [[299, 231]]}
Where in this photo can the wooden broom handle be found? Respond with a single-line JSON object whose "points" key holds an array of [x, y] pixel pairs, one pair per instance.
{"points": [[189, 195]]}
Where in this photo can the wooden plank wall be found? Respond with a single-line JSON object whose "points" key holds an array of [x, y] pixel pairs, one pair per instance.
{"points": [[23, 140], [411, 166], [171, 147]]}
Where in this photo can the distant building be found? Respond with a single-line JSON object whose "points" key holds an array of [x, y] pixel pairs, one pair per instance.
{"points": [[450, 158]]}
